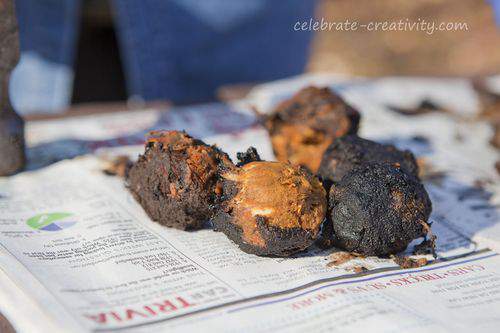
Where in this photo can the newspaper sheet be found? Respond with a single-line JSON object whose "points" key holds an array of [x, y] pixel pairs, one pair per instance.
{"points": [[79, 254]]}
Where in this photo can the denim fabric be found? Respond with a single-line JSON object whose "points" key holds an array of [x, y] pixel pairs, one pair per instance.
{"points": [[180, 50], [496, 8], [42, 81]]}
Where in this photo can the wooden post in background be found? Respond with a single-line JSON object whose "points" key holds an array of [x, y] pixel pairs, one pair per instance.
{"points": [[12, 155]]}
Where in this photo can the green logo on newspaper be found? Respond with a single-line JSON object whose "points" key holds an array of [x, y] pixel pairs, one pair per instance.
{"points": [[51, 221]]}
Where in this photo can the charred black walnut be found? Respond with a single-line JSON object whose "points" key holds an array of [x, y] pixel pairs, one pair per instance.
{"points": [[177, 179], [378, 209], [351, 151]]}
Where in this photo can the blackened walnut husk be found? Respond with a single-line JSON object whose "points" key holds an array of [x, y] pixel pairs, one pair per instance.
{"points": [[271, 208], [378, 209], [251, 155], [351, 151], [302, 127], [177, 179]]}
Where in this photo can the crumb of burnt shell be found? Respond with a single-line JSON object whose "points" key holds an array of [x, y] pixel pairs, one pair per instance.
{"points": [[339, 258], [351, 151], [358, 269], [408, 262], [424, 167], [378, 209], [490, 108], [271, 208], [118, 166], [302, 127], [427, 171], [425, 106], [177, 179], [427, 246], [497, 166], [488, 99]]}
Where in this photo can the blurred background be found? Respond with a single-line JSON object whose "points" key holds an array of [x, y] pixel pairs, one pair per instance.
{"points": [[76, 52]]}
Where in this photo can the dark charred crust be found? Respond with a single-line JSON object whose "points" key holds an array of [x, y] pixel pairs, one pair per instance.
{"points": [[283, 242], [251, 155], [177, 179], [351, 151], [279, 242], [378, 209], [229, 191]]}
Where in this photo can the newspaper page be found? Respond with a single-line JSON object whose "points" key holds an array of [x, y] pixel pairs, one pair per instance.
{"points": [[79, 254]]}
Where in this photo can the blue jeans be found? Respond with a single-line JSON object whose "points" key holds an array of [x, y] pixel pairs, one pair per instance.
{"points": [[180, 50], [496, 8]]}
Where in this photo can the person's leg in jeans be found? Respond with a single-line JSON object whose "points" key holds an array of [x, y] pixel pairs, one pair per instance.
{"points": [[496, 9], [42, 81], [182, 50]]}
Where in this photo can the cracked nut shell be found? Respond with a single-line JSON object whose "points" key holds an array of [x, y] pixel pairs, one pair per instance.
{"points": [[271, 208]]}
